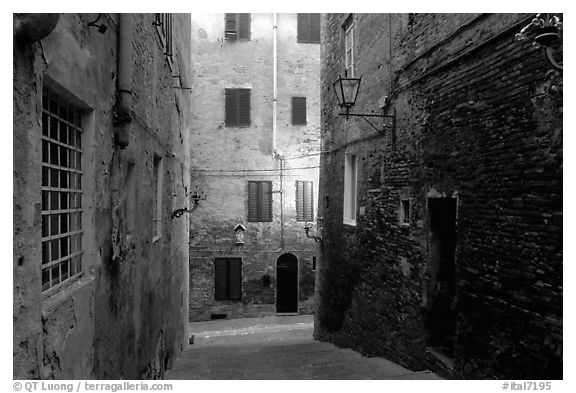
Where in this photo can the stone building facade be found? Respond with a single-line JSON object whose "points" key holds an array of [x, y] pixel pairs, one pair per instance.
{"points": [[101, 159], [254, 143], [442, 235]]}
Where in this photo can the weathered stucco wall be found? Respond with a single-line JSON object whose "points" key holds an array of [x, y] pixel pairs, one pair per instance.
{"points": [[126, 316], [225, 159], [479, 118]]}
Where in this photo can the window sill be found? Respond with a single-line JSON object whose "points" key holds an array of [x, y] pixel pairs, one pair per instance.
{"points": [[52, 300], [349, 222]]}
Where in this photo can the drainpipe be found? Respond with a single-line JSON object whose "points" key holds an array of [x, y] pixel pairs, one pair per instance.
{"points": [[281, 204], [275, 77], [275, 127], [123, 110], [29, 28]]}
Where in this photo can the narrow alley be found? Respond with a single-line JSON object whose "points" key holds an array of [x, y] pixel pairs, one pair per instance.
{"points": [[306, 196], [276, 348]]}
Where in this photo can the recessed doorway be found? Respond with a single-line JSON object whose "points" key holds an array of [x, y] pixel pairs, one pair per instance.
{"points": [[441, 282], [287, 284]]}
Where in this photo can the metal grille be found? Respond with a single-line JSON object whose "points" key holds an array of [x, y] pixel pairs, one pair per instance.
{"points": [[61, 190], [164, 23]]}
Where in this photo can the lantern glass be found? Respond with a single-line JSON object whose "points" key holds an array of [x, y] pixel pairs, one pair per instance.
{"points": [[346, 91]]}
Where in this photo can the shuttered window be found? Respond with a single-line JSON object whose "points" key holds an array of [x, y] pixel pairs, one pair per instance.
{"points": [[259, 201], [237, 107], [309, 28], [299, 110], [304, 201], [237, 27], [228, 278]]}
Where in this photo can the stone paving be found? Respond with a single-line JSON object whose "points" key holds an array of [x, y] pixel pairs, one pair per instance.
{"points": [[275, 348]]}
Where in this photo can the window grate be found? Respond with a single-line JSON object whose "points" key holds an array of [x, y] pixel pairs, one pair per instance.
{"points": [[61, 190]]}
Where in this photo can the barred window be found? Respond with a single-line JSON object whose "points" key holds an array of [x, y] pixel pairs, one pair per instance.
{"points": [[61, 190], [163, 23]]}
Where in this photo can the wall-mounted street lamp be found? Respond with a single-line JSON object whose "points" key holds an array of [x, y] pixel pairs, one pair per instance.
{"points": [[317, 237], [101, 27], [545, 32], [196, 198], [346, 92]]}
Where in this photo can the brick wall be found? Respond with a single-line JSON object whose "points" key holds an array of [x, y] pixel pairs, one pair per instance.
{"points": [[226, 158], [126, 316], [484, 128]]}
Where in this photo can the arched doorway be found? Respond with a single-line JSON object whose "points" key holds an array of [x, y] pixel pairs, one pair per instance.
{"points": [[287, 284]]}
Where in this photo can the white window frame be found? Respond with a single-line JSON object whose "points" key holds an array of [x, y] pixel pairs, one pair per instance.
{"points": [[349, 47], [350, 189], [404, 216], [158, 173]]}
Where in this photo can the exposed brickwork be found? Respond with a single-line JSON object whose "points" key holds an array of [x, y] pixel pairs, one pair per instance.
{"points": [[226, 158], [485, 129], [126, 316]]}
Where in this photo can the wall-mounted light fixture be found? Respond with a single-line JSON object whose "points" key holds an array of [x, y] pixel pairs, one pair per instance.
{"points": [[346, 92], [545, 32], [239, 230], [101, 27], [316, 236], [196, 198]]}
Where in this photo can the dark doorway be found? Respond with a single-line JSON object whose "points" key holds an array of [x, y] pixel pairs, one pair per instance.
{"points": [[287, 284], [441, 283]]}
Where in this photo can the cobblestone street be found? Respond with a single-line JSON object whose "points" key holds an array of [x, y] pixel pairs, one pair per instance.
{"points": [[275, 348]]}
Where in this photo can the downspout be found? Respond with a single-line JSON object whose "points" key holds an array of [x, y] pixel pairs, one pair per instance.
{"points": [[390, 55], [281, 203], [275, 82], [123, 110], [275, 127]]}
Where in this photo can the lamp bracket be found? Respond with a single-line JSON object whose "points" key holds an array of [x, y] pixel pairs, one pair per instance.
{"points": [[366, 117]]}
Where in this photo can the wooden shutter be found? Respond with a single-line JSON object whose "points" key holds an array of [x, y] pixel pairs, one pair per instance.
{"points": [[308, 201], [252, 201], [243, 107], [266, 201], [303, 27], [315, 28], [298, 110], [230, 27], [221, 279], [231, 105], [259, 201], [235, 278], [244, 26], [304, 201], [309, 28]]}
